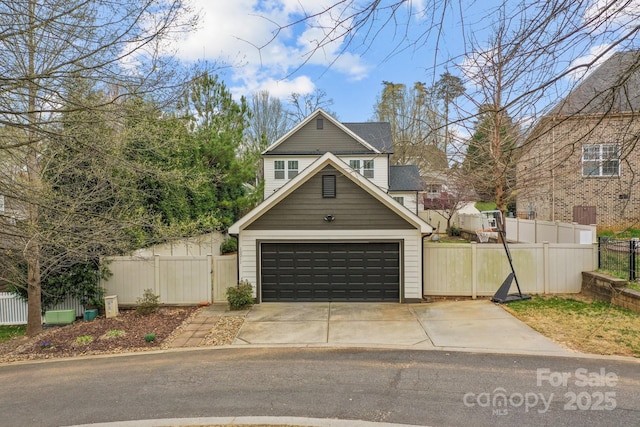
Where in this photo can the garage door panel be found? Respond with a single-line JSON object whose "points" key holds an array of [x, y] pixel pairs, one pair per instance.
{"points": [[330, 271]]}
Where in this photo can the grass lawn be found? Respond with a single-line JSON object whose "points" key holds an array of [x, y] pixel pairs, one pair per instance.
{"points": [[582, 325], [623, 234], [485, 206], [8, 332]]}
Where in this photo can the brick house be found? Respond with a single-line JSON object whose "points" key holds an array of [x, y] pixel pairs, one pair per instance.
{"points": [[581, 163]]}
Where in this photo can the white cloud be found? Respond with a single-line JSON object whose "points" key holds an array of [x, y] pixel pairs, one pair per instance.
{"points": [[248, 35], [277, 88], [479, 68], [607, 15], [584, 65]]}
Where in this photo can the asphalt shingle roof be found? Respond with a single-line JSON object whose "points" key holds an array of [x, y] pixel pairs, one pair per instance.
{"points": [[405, 178], [378, 134], [613, 87]]}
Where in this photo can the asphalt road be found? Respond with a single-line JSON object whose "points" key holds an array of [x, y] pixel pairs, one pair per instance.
{"points": [[414, 387]]}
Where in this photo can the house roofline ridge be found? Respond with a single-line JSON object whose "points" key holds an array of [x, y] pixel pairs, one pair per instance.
{"points": [[329, 117]]}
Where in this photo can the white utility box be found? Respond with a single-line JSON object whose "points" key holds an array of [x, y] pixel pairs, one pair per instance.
{"points": [[111, 306]]}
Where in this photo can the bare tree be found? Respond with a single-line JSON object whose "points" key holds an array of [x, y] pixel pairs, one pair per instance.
{"points": [[531, 54], [455, 191], [304, 104], [47, 47], [416, 125], [269, 121]]}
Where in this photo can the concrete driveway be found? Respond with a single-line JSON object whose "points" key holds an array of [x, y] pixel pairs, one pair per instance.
{"points": [[478, 325]]}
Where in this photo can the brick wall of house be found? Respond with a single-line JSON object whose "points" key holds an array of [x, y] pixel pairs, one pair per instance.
{"points": [[550, 173]]}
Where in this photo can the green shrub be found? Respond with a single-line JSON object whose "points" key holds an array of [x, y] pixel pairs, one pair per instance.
{"points": [[150, 337], [78, 279], [230, 245], [148, 304], [454, 231], [240, 296]]}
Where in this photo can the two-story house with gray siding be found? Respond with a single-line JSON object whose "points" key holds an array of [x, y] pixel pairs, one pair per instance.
{"points": [[338, 222]]}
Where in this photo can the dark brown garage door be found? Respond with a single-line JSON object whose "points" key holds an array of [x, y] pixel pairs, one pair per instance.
{"points": [[330, 271]]}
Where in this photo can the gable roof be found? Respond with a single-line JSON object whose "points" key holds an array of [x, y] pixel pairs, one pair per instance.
{"points": [[613, 87], [377, 133], [405, 178], [308, 173]]}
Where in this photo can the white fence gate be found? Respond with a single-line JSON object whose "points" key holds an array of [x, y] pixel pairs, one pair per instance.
{"points": [[178, 280]]}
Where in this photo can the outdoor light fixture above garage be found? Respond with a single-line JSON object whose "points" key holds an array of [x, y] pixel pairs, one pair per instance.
{"points": [[329, 218]]}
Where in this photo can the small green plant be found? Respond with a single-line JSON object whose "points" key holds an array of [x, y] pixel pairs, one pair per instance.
{"points": [[229, 246], [115, 333], [150, 337], [240, 296], [148, 304], [84, 339], [454, 231], [8, 332]]}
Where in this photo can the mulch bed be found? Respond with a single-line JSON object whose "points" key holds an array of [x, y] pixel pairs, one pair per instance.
{"points": [[122, 334]]}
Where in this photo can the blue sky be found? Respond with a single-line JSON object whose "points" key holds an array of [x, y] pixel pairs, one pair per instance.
{"points": [[243, 35]]}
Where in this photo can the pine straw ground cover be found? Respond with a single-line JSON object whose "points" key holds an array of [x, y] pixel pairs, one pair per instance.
{"points": [[582, 324]]}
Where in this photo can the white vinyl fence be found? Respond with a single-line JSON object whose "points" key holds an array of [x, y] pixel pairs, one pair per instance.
{"points": [[14, 310], [453, 269], [534, 231], [178, 280]]}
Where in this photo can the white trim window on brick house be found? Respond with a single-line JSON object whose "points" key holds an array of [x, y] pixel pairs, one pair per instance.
{"points": [[600, 160], [434, 191], [363, 167], [279, 171]]}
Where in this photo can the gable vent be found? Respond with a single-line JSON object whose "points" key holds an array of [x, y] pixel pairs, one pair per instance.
{"points": [[328, 186], [319, 123]]}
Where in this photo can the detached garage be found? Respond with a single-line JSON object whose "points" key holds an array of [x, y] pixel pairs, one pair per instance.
{"points": [[347, 242]]}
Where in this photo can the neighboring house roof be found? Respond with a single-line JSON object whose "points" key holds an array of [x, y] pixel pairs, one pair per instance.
{"points": [[308, 173], [377, 134], [613, 87], [367, 137], [405, 178]]}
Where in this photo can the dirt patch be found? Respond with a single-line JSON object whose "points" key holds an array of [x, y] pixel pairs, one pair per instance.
{"points": [[122, 334]]}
